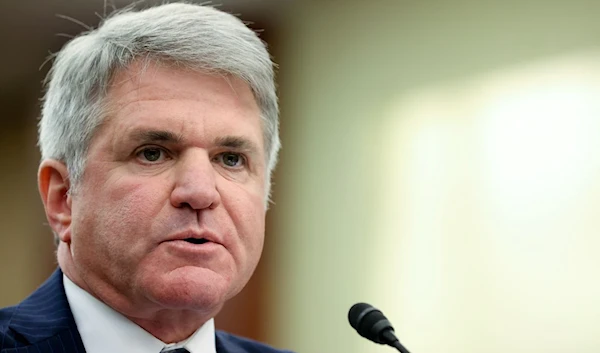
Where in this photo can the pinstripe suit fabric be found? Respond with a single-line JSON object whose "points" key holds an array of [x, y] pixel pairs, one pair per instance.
{"points": [[43, 323]]}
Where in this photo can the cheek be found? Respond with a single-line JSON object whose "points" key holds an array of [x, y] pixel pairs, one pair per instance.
{"points": [[122, 212], [248, 215], [132, 195]]}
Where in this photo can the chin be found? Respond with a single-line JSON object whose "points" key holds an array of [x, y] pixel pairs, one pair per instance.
{"points": [[196, 289]]}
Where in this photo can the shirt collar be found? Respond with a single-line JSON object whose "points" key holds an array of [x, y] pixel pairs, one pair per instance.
{"points": [[102, 329]]}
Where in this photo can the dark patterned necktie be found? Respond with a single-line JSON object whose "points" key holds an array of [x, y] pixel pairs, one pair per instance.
{"points": [[178, 350]]}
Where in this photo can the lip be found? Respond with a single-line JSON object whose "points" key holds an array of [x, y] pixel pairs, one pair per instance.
{"points": [[182, 236], [182, 247]]}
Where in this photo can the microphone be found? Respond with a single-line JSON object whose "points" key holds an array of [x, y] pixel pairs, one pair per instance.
{"points": [[370, 323]]}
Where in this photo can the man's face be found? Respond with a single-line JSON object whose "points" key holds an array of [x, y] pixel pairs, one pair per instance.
{"points": [[170, 210]]}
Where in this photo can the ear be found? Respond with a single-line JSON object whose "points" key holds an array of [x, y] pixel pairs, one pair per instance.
{"points": [[53, 183]]}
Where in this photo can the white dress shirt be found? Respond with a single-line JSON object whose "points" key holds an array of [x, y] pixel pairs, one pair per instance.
{"points": [[103, 329]]}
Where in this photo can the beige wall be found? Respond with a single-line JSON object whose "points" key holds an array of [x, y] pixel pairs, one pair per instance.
{"points": [[375, 200]]}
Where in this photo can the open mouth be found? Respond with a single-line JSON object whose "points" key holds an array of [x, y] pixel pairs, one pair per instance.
{"points": [[196, 241]]}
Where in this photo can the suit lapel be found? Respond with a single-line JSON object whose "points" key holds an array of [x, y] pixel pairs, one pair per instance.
{"points": [[44, 323], [224, 345]]}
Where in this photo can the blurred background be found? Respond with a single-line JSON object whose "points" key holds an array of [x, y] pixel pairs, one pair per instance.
{"points": [[441, 161]]}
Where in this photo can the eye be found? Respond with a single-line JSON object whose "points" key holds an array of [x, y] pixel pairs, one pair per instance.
{"points": [[231, 160], [151, 154]]}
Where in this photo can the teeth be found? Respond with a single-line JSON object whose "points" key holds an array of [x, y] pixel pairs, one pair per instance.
{"points": [[196, 241]]}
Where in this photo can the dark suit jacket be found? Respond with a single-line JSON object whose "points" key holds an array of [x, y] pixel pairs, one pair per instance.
{"points": [[43, 323]]}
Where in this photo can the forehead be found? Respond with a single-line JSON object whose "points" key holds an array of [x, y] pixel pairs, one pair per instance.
{"points": [[161, 95], [162, 81]]}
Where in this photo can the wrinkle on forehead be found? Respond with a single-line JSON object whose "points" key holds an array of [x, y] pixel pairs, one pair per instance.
{"points": [[147, 77], [152, 80]]}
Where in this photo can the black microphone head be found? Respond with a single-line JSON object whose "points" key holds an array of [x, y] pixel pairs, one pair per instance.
{"points": [[369, 322]]}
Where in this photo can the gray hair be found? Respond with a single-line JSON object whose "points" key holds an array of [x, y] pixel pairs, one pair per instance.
{"points": [[186, 35]]}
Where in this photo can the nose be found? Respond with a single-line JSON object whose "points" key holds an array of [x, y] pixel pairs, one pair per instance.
{"points": [[195, 182]]}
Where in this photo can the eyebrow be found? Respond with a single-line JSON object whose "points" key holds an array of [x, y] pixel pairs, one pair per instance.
{"points": [[156, 136], [236, 142]]}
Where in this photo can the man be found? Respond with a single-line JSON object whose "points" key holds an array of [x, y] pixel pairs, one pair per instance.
{"points": [[158, 135]]}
